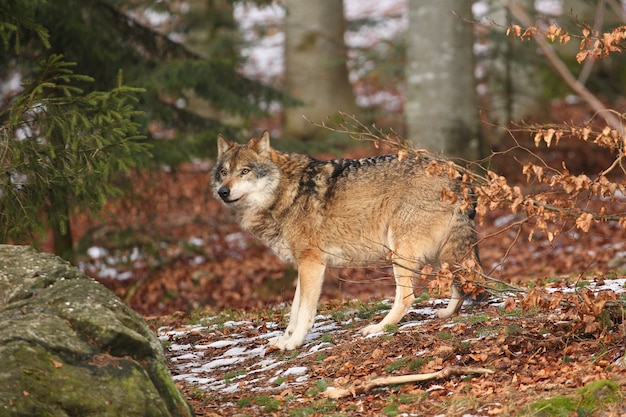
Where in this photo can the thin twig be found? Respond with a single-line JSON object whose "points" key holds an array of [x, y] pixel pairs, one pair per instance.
{"points": [[585, 72]]}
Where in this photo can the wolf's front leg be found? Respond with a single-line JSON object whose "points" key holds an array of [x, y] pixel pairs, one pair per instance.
{"points": [[310, 279], [293, 314]]}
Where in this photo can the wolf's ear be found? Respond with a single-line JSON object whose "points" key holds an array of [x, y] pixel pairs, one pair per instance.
{"points": [[223, 145], [261, 145]]}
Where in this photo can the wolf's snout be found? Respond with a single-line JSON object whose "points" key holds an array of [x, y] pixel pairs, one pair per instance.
{"points": [[223, 192]]}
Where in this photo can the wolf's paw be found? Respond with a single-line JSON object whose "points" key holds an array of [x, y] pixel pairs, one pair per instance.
{"points": [[274, 340], [288, 344], [442, 314], [445, 313], [372, 328]]}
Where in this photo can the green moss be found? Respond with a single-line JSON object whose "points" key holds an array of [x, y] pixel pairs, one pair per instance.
{"points": [[269, 404], [396, 365], [391, 328], [390, 410], [587, 400]]}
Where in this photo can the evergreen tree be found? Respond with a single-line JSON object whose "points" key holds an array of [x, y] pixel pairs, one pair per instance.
{"points": [[65, 136], [192, 93], [60, 146]]}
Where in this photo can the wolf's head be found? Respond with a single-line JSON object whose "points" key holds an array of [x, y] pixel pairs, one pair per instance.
{"points": [[245, 175]]}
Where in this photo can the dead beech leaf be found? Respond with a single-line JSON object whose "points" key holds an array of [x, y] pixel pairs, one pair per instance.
{"points": [[346, 367], [538, 137], [509, 304], [443, 350], [583, 222], [56, 364], [479, 357], [378, 353], [514, 30], [581, 56], [547, 137]]}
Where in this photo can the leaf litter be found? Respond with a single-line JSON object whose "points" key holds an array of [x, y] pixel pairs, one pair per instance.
{"points": [[225, 365]]}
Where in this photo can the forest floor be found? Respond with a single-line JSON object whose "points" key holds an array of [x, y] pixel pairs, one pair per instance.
{"points": [[215, 295], [540, 363]]}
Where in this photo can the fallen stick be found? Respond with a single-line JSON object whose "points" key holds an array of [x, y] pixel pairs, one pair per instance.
{"points": [[362, 387]]}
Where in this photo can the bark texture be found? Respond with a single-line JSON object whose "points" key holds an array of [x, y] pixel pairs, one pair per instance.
{"points": [[441, 108], [315, 66]]}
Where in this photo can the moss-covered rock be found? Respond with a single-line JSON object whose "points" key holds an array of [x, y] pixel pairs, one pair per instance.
{"points": [[70, 347]]}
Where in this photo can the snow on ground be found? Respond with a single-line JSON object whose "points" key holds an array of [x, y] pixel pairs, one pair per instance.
{"points": [[224, 357]]}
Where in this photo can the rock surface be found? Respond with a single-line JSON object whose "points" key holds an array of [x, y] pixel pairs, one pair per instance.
{"points": [[70, 347]]}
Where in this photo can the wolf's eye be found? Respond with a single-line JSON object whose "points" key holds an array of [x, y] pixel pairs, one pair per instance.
{"points": [[223, 173], [245, 171]]}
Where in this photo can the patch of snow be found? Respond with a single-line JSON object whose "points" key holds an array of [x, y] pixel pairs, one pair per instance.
{"points": [[232, 323], [196, 241], [218, 363], [222, 343], [504, 220], [155, 17], [319, 347], [175, 347], [96, 252], [270, 335], [198, 355], [296, 370]]}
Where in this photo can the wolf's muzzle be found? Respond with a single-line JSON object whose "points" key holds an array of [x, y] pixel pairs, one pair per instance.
{"points": [[223, 192]]}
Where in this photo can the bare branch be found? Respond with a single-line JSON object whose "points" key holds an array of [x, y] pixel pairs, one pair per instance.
{"points": [[616, 123], [366, 386], [585, 72]]}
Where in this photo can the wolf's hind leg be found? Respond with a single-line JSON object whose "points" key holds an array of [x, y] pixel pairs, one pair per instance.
{"points": [[403, 300], [461, 245], [456, 301]]}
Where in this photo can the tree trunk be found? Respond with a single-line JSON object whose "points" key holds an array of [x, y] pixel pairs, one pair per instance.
{"points": [[315, 66], [441, 107], [516, 87]]}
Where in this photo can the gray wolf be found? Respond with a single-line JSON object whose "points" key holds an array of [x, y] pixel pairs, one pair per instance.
{"points": [[345, 212]]}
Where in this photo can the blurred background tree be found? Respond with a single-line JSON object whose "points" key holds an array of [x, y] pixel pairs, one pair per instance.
{"points": [[441, 107], [513, 72], [56, 123], [315, 66]]}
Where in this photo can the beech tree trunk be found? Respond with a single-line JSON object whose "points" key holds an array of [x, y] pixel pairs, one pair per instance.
{"points": [[441, 107], [315, 66]]}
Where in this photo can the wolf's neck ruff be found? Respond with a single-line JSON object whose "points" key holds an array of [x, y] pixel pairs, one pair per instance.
{"points": [[342, 212]]}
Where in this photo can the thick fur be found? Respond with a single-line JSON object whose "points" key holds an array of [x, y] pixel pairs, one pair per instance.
{"points": [[343, 212]]}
